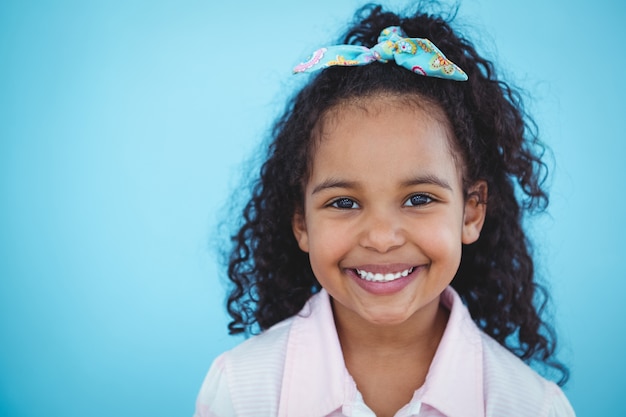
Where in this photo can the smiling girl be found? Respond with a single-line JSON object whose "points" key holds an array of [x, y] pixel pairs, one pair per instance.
{"points": [[382, 254]]}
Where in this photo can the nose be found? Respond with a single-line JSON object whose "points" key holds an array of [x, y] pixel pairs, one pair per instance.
{"points": [[382, 231]]}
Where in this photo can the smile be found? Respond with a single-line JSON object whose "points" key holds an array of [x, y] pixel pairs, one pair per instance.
{"points": [[378, 277]]}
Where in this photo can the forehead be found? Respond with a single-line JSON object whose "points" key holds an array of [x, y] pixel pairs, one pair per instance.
{"points": [[420, 107], [414, 107], [394, 132]]}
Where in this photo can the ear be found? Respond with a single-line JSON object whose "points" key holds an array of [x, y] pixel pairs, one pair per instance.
{"points": [[298, 225], [475, 212]]}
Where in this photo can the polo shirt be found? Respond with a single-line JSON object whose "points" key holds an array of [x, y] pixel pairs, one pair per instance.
{"points": [[296, 369]]}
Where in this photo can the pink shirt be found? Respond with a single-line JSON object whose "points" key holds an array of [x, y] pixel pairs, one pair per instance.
{"points": [[296, 369]]}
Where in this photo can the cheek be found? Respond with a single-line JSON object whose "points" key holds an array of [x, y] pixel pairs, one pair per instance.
{"points": [[323, 264], [443, 239], [327, 247]]}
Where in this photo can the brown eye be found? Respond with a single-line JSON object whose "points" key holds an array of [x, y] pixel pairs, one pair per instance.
{"points": [[344, 203], [418, 200]]}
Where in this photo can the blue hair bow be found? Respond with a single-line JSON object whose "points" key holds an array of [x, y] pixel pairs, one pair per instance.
{"points": [[416, 54]]}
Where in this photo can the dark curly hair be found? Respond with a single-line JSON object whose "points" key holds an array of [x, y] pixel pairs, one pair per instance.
{"points": [[497, 142]]}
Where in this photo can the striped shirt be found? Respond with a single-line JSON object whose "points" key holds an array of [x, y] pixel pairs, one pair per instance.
{"points": [[296, 369]]}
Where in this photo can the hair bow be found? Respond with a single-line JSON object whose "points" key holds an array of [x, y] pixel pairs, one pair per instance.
{"points": [[416, 54]]}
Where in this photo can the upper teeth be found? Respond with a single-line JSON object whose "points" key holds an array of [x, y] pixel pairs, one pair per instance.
{"points": [[378, 277]]}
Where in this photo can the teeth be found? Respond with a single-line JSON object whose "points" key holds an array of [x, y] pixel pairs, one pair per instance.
{"points": [[378, 277]]}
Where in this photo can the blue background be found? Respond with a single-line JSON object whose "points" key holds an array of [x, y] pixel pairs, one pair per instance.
{"points": [[124, 129]]}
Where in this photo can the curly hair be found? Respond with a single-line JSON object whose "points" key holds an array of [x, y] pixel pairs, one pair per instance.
{"points": [[497, 143]]}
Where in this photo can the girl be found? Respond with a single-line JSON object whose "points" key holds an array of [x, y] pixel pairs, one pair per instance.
{"points": [[382, 254]]}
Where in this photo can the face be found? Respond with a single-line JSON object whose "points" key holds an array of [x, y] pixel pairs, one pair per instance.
{"points": [[384, 215]]}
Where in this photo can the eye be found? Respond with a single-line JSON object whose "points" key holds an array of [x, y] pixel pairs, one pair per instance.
{"points": [[418, 200], [344, 203]]}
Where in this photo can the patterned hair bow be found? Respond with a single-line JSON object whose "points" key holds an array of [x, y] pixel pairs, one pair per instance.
{"points": [[416, 54]]}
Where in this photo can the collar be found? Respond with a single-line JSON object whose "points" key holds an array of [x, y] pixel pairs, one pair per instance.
{"points": [[316, 381], [454, 384]]}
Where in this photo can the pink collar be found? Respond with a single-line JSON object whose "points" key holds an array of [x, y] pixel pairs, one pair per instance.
{"points": [[316, 381]]}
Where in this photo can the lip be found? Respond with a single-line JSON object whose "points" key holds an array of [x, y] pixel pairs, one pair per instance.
{"points": [[384, 288]]}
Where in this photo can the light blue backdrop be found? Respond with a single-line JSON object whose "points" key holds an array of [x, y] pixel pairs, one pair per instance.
{"points": [[124, 126]]}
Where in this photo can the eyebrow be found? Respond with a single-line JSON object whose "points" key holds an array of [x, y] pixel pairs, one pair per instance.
{"points": [[419, 180], [428, 179], [333, 183]]}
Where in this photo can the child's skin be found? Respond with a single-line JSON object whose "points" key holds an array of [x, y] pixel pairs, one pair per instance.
{"points": [[385, 195]]}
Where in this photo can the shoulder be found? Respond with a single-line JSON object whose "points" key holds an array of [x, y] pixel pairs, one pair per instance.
{"points": [[246, 380], [510, 384], [265, 350], [492, 381]]}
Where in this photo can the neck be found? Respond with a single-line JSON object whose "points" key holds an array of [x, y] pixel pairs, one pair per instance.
{"points": [[388, 363], [422, 333]]}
